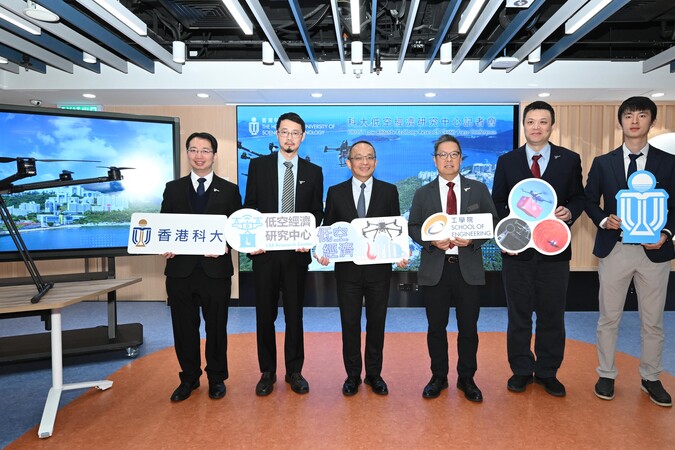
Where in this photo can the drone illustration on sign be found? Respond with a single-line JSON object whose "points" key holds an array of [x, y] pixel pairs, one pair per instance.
{"points": [[536, 196], [391, 229]]}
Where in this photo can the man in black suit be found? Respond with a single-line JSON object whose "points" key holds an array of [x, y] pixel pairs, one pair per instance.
{"points": [[362, 196], [451, 269], [283, 270], [194, 282], [534, 282], [647, 265]]}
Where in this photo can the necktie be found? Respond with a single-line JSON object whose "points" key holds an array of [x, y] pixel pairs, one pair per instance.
{"points": [[287, 194], [632, 165], [451, 203], [535, 166], [200, 188], [361, 204]]}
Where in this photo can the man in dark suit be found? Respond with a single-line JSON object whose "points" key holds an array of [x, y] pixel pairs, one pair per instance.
{"points": [[194, 282], [283, 270], [534, 282], [647, 265], [451, 269], [362, 196]]}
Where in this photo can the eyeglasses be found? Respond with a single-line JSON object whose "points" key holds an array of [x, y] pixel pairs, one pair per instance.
{"points": [[368, 158], [293, 134], [202, 151], [451, 155]]}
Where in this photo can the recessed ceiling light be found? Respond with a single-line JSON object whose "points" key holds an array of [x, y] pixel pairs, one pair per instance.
{"points": [[544, 94], [317, 94], [430, 94], [203, 95], [3, 60], [658, 94], [89, 95]]}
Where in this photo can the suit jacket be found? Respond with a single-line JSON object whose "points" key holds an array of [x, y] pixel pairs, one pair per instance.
{"points": [[607, 176], [224, 198], [563, 173], [262, 191], [475, 199], [340, 207]]}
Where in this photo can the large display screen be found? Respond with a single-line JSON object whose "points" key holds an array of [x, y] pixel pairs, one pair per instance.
{"points": [[403, 137], [88, 219]]}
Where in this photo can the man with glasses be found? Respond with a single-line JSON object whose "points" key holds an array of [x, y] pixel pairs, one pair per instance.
{"points": [[193, 281], [533, 282], [362, 196], [282, 183], [451, 269]]}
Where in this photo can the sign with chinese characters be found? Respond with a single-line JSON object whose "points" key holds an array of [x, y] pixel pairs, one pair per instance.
{"points": [[248, 230], [643, 210], [372, 240], [182, 234], [467, 226], [532, 221]]}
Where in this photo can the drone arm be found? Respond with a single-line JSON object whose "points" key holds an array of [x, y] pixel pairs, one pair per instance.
{"points": [[112, 176]]}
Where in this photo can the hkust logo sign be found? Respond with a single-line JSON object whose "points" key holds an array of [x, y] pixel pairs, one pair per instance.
{"points": [[642, 209]]}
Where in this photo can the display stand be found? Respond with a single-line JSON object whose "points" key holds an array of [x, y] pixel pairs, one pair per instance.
{"points": [[16, 299]]}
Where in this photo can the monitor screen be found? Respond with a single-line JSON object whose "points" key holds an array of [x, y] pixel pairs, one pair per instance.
{"points": [[403, 137], [62, 221]]}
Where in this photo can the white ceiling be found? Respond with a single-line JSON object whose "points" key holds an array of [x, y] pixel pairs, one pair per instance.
{"points": [[255, 83]]}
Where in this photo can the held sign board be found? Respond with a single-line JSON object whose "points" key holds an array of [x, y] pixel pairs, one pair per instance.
{"points": [[467, 226], [182, 234], [248, 230], [643, 209], [372, 240]]}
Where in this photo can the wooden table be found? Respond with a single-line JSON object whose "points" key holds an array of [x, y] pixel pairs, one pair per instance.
{"points": [[16, 299]]}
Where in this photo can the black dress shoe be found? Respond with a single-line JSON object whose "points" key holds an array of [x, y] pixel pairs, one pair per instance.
{"points": [[604, 388], [471, 391], [377, 384], [298, 384], [266, 384], [434, 387], [518, 383], [183, 391], [216, 390], [551, 385], [657, 393], [351, 386]]}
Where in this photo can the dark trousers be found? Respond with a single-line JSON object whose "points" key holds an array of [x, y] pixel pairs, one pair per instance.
{"points": [[540, 287], [351, 296], [452, 289], [186, 296], [280, 271]]}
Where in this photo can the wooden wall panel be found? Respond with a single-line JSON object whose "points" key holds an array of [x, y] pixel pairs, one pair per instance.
{"points": [[589, 129]]}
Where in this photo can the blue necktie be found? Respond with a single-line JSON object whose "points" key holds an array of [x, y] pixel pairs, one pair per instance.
{"points": [[200, 188], [361, 204]]}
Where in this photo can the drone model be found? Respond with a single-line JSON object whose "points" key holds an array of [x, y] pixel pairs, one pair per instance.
{"points": [[25, 168]]}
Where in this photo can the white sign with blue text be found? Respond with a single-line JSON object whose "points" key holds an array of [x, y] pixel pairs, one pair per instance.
{"points": [[248, 230], [182, 234]]}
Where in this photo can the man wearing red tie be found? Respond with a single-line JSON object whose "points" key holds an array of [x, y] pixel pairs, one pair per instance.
{"points": [[450, 269], [533, 282]]}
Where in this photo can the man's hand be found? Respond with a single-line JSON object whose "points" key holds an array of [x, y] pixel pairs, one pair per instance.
{"points": [[563, 214], [168, 255], [613, 222], [657, 245]]}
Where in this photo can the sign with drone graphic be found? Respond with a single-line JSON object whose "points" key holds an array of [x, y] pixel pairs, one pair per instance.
{"points": [[532, 222], [371, 240]]}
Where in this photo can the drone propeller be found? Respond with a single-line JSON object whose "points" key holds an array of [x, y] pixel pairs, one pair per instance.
{"points": [[6, 159], [115, 167]]}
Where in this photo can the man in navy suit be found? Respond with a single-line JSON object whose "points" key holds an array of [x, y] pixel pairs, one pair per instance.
{"points": [[451, 269], [647, 265], [193, 281], [533, 282], [358, 282], [282, 270]]}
